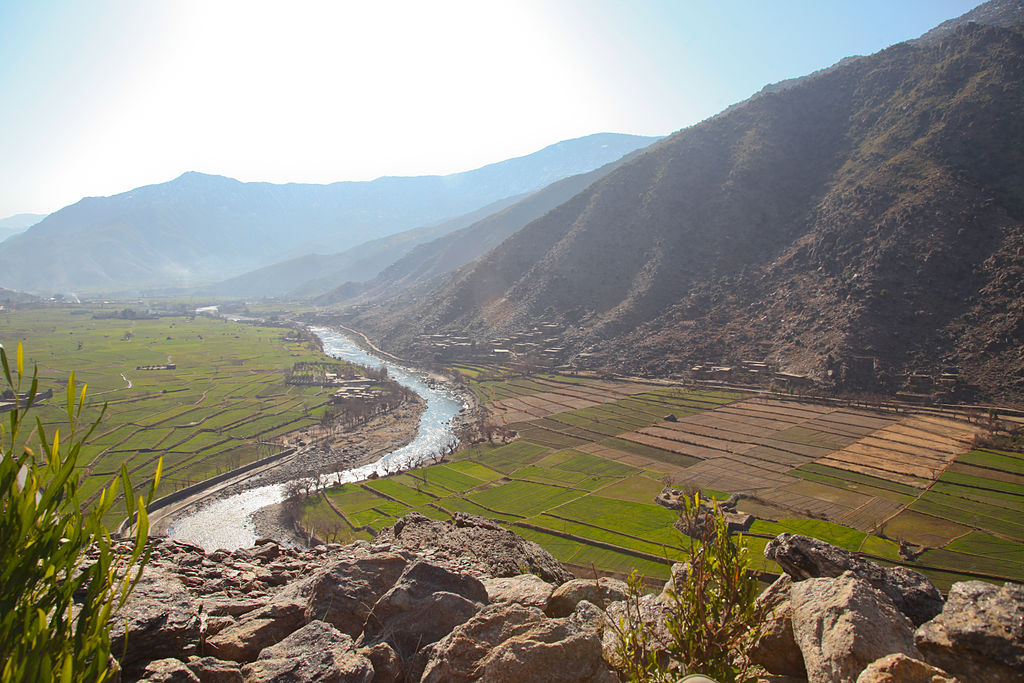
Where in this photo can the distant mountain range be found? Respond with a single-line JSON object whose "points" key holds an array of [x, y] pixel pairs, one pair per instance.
{"points": [[873, 211], [12, 225], [200, 228]]}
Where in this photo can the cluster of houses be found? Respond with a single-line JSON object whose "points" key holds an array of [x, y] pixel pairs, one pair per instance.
{"points": [[165, 366], [541, 345]]}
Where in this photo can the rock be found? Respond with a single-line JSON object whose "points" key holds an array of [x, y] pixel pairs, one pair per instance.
{"points": [[316, 652], [525, 589], [552, 651], [160, 619], [213, 670], [803, 557], [979, 636], [507, 642], [168, 670], [900, 668], [649, 611], [344, 592], [843, 624], [215, 625], [256, 630], [588, 617], [459, 655], [474, 544], [386, 666], [424, 605], [777, 650], [603, 591]]}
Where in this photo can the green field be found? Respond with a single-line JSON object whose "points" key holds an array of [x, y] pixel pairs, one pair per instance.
{"points": [[590, 510], [222, 406]]}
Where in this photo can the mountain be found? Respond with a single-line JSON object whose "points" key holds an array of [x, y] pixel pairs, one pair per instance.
{"points": [[201, 228], [12, 225], [315, 274], [444, 254], [873, 212]]}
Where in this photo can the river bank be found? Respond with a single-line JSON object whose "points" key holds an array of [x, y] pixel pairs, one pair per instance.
{"points": [[399, 440]]}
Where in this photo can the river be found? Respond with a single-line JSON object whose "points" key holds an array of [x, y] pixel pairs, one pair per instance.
{"points": [[227, 523]]}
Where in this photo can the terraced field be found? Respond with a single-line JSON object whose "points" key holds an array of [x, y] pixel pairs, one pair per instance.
{"points": [[593, 454], [224, 404]]}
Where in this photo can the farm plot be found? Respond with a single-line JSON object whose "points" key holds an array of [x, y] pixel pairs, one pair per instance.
{"points": [[214, 410]]}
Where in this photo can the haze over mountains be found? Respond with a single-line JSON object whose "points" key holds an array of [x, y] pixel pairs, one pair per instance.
{"points": [[874, 210], [200, 228], [19, 222]]}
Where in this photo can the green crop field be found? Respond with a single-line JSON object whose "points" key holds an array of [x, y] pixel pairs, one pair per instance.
{"points": [[582, 477], [220, 407]]}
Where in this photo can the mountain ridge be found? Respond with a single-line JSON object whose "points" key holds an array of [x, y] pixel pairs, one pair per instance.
{"points": [[199, 226], [810, 226]]}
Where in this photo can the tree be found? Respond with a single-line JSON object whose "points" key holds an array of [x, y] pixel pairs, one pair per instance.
{"points": [[62, 578]]}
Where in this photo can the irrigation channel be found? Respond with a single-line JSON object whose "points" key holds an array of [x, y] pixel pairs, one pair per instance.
{"points": [[227, 523]]}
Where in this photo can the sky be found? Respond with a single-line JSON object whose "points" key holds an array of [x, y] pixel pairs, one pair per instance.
{"points": [[99, 97]]}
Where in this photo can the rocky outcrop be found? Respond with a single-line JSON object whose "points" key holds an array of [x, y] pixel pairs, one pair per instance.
{"points": [[777, 650], [316, 652], [803, 557], [525, 589], [508, 642], [475, 545], [979, 636], [900, 668], [161, 619], [844, 624], [602, 592], [397, 609]]}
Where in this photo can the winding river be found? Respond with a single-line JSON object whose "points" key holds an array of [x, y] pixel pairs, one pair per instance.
{"points": [[227, 523]]}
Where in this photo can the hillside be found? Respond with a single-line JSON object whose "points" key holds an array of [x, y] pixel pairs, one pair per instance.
{"points": [[201, 228], [876, 210], [314, 274], [440, 256], [12, 225]]}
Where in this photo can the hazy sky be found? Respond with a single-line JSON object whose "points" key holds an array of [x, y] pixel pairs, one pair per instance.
{"points": [[101, 96]]}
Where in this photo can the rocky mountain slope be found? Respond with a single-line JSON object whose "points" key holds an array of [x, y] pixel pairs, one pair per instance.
{"points": [[876, 210], [449, 601], [201, 228]]}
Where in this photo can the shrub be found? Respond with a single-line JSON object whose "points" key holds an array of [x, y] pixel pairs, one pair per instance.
{"points": [[712, 617], [61, 576]]}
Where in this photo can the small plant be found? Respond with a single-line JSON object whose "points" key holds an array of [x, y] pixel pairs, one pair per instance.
{"points": [[712, 618], [61, 576]]}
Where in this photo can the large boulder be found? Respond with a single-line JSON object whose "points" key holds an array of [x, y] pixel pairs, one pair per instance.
{"points": [[473, 544], [159, 620], [602, 591], [903, 669], [980, 634], [803, 557], [513, 643], [777, 649], [345, 591], [213, 670], [258, 629], [423, 606], [843, 624], [525, 589], [167, 670], [316, 653]]}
